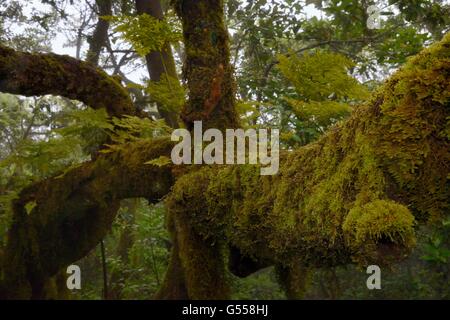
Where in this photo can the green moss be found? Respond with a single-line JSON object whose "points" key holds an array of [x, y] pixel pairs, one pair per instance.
{"points": [[41, 74], [380, 221], [74, 211], [207, 63], [354, 195]]}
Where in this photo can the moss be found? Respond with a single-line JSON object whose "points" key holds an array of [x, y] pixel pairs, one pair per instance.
{"points": [[203, 264], [207, 64], [74, 211], [40, 74], [354, 195], [380, 221]]}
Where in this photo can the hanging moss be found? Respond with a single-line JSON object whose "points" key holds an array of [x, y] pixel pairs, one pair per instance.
{"points": [[354, 195]]}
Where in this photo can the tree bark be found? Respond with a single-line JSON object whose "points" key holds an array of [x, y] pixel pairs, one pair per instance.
{"points": [[207, 70], [100, 35], [159, 63]]}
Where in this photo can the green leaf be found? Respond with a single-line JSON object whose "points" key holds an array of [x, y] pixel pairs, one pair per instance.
{"points": [[30, 206], [160, 162]]}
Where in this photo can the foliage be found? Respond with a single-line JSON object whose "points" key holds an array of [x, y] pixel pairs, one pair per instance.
{"points": [[261, 285], [146, 33], [324, 93], [318, 75], [265, 28], [168, 93], [436, 250]]}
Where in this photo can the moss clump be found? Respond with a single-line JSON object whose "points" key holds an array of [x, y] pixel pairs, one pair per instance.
{"points": [[380, 221]]}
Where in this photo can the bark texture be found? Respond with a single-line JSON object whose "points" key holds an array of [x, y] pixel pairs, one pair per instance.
{"points": [[207, 70]]}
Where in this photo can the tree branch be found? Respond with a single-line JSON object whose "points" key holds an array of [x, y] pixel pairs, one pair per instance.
{"points": [[59, 220], [35, 74], [354, 196]]}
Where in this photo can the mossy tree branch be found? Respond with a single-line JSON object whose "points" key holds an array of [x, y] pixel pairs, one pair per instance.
{"points": [[59, 220], [354, 196], [35, 74]]}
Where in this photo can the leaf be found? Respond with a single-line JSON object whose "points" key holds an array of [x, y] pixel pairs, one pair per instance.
{"points": [[321, 74], [160, 162], [30, 206], [146, 33], [168, 93]]}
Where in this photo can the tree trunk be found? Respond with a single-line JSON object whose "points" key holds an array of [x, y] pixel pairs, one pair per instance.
{"points": [[207, 70], [98, 39], [159, 63]]}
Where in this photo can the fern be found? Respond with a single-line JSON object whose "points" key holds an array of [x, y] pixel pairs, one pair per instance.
{"points": [[146, 33], [168, 93]]}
